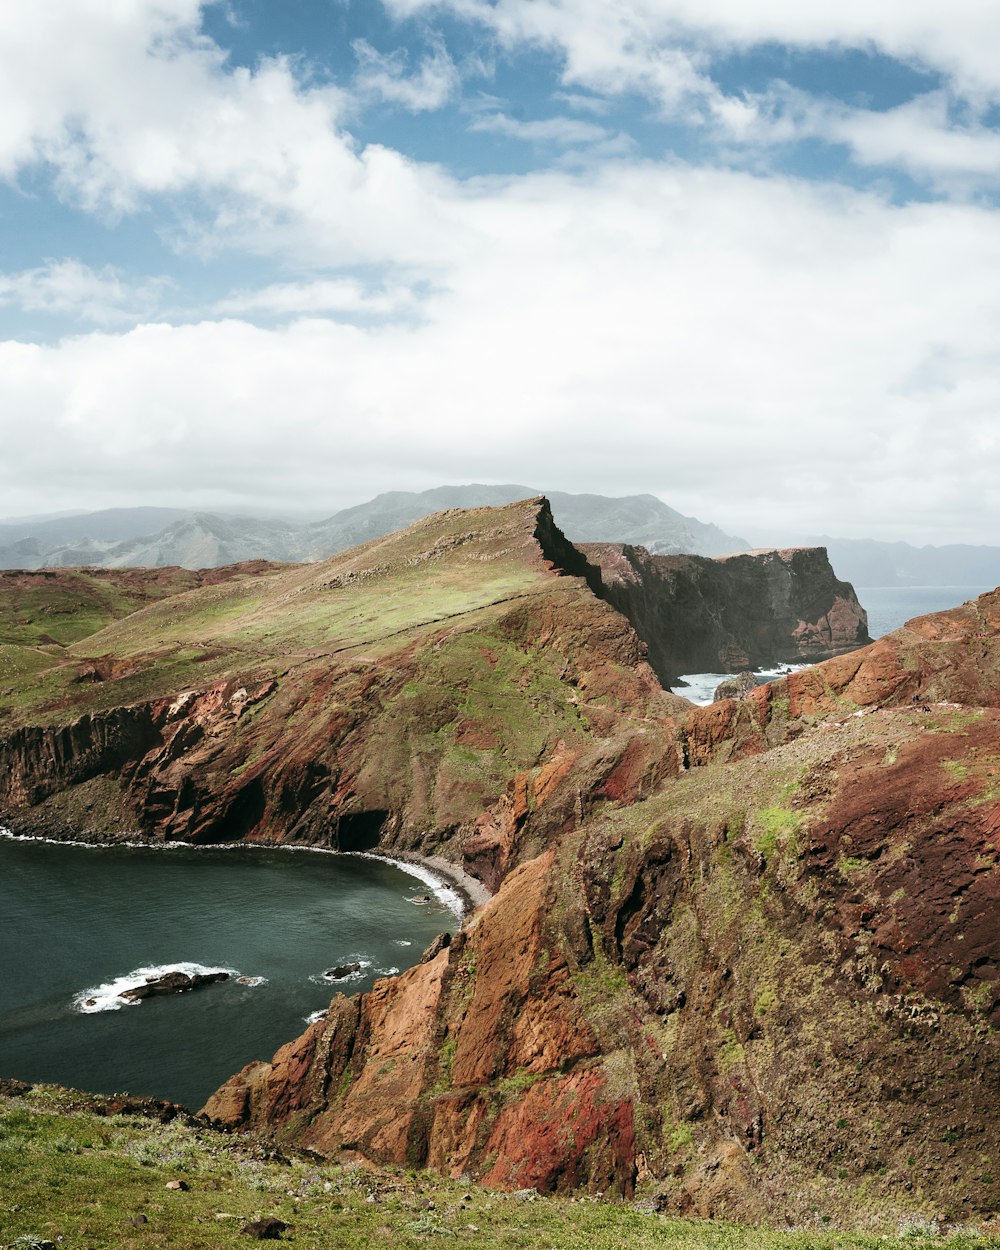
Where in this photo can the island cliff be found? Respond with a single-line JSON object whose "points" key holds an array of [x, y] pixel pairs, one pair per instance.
{"points": [[736, 612], [738, 957]]}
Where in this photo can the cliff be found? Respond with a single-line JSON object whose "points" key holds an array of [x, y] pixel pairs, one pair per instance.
{"points": [[736, 612], [767, 989], [390, 693], [742, 959]]}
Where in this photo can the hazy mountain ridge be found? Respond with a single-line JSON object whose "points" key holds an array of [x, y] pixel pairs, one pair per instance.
{"points": [[159, 537], [128, 537], [866, 562]]}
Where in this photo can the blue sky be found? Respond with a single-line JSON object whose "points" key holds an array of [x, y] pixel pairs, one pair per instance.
{"points": [[742, 255]]}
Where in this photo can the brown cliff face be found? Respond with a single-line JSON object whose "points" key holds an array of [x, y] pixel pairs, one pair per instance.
{"points": [[769, 989], [697, 614], [742, 957], [478, 1059]]}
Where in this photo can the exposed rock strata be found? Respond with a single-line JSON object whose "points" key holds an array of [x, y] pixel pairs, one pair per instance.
{"points": [[775, 982], [741, 957]]}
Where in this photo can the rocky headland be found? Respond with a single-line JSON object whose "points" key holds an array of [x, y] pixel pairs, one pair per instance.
{"points": [[734, 612], [739, 958]]}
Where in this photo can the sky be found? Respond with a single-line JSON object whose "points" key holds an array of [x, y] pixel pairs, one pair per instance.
{"points": [[740, 254]]}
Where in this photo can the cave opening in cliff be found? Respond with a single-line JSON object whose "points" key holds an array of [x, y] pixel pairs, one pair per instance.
{"points": [[360, 831]]}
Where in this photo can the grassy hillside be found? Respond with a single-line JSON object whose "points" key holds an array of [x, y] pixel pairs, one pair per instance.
{"points": [[76, 1173], [409, 678]]}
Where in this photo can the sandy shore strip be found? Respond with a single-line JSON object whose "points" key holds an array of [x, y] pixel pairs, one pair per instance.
{"points": [[471, 891]]}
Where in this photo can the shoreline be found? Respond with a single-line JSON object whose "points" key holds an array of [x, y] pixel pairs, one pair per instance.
{"points": [[455, 888], [471, 890]]}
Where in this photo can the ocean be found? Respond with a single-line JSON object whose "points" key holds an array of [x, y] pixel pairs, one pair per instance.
{"points": [[79, 924], [888, 607]]}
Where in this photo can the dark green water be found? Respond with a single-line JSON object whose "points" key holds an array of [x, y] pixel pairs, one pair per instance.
{"points": [[78, 919]]}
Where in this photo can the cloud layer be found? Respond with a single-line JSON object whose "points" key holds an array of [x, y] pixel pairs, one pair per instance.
{"points": [[767, 351]]}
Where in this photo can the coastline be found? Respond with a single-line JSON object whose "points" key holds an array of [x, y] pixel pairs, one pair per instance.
{"points": [[459, 891], [471, 891]]}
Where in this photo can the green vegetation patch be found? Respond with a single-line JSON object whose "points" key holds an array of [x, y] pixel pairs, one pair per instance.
{"points": [[79, 1179], [774, 826]]}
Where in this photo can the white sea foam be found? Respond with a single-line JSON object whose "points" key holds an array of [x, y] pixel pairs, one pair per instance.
{"points": [[106, 997], [443, 892], [700, 687], [320, 978], [401, 942], [316, 1015]]}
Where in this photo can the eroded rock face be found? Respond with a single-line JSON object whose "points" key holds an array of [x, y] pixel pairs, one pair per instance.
{"points": [[767, 989], [743, 957], [737, 612], [480, 1059], [326, 726]]}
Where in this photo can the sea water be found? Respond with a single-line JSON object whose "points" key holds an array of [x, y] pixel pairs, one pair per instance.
{"points": [[80, 924]]}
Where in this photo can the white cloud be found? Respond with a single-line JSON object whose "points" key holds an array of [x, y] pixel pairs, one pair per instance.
{"points": [[332, 295], [759, 352], [918, 136], [384, 76], [563, 131], [68, 288], [655, 45], [132, 103]]}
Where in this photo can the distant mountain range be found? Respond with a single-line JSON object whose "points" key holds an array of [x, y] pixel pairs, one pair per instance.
{"points": [[158, 537]]}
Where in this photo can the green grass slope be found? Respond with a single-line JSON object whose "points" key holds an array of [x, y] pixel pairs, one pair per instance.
{"points": [[75, 1173]]}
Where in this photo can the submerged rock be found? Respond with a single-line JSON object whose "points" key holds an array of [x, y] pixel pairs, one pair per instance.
{"points": [[171, 983]]}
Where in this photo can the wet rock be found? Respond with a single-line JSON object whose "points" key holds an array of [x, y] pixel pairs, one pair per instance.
{"points": [[737, 687], [171, 983], [341, 972]]}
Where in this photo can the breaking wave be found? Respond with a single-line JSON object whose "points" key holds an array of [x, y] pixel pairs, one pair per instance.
{"points": [[107, 997]]}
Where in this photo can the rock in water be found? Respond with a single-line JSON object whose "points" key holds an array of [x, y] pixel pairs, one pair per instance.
{"points": [[171, 983], [737, 687], [341, 972]]}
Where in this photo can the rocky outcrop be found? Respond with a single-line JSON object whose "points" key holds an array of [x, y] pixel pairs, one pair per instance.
{"points": [[737, 687], [478, 1059], [171, 983], [741, 958], [766, 990], [737, 612], [319, 724]]}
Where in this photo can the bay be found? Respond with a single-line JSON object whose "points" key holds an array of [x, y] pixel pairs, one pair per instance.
{"points": [[78, 923]]}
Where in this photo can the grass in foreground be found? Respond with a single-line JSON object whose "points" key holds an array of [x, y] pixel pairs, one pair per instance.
{"points": [[79, 1179]]}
